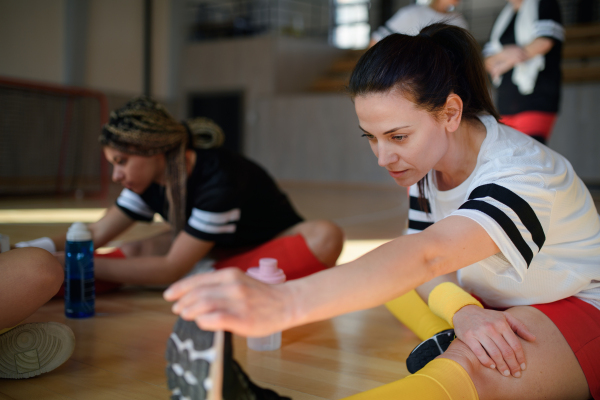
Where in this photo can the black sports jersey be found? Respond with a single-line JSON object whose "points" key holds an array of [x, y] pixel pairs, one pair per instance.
{"points": [[230, 201], [546, 93]]}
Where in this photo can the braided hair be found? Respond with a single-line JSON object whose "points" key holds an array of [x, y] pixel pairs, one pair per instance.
{"points": [[144, 127]]}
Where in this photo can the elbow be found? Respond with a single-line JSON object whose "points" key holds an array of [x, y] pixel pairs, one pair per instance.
{"points": [[547, 45], [540, 46], [435, 263]]}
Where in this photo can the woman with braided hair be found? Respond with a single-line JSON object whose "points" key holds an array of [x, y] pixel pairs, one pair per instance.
{"points": [[216, 202]]}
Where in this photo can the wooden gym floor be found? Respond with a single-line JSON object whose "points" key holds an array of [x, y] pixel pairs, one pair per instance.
{"points": [[119, 353]]}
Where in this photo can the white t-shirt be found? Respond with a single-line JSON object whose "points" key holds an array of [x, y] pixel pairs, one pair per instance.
{"points": [[536, 209], [411, 19]]}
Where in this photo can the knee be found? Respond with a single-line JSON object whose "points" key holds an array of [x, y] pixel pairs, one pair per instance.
{"points": [[41, 268], [463, 355], [325, 239], [327, 231]]}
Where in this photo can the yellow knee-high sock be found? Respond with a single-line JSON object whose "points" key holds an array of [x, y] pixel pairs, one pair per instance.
{"points": [[413, 312], [441, 379]]}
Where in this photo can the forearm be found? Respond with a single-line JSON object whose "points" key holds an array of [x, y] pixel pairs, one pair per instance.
{"points": [[152, 270], [390, 270], [379, 276], [539, 46], [98, 239], [104, 230]]}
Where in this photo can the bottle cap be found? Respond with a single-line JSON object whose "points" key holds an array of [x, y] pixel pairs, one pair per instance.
{"points": [[78, 232], [267, 271]]}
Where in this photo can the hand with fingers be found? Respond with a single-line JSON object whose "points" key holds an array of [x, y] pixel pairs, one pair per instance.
{"points": [[511, 55], [230, 300], [492, 336]]}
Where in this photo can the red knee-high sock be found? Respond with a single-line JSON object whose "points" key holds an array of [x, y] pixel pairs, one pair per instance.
{"points": [[292, 253]]}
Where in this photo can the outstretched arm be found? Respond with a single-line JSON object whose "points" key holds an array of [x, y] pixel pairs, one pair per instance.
{"points": [[228, 300], [112, 223], [185, 251]]}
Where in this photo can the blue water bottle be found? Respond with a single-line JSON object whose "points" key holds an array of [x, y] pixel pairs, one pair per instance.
{"points": [[79, 272]]}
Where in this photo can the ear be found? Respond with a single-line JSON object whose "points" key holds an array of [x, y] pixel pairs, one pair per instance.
{"points": [[452, 114]]}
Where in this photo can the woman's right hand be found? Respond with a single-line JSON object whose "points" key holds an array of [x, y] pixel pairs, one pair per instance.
{"points": [[498, 64], [492, 336], [230, 300]]}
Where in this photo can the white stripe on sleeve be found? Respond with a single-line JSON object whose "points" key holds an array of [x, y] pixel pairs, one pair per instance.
{"points": [[216, 217], [134, 203], [549, 28], [214, 222]]}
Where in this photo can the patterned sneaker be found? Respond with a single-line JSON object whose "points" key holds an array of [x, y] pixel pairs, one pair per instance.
{"points": [[201, 367], [428, 350], [33, 349]]}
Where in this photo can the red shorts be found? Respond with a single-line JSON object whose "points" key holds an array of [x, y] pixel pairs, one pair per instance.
{"points": [[292, 253], [579, 323], [533, 123]]}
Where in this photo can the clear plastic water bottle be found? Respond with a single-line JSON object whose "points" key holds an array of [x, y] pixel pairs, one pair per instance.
{"points": [[79, 272], [266, 272]]}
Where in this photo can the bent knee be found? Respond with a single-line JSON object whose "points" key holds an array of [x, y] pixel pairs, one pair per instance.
{"points": [[327, 230], [325, 240], [461, 353], [41, 268]]}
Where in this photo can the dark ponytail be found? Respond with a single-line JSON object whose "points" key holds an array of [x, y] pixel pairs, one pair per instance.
{"points": [[442, 59]]}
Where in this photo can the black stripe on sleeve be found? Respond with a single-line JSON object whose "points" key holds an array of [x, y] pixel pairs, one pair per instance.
{"points": [[518, 205], [418, 225], [505, 223], [415, 205]]}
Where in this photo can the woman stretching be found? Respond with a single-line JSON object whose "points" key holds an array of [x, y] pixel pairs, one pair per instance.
{"points": [[501, 215], [216, 202]]}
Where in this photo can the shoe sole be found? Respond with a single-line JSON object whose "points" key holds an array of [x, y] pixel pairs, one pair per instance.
{"points": [[33, 349], [429, 349], [195, 362]]}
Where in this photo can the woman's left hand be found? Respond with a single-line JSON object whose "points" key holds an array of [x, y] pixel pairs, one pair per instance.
{"points": [[492, 336], [230, 300]]}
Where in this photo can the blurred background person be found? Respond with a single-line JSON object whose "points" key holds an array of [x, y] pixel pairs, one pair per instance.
{"points": [[411, 19], [523, 59]]}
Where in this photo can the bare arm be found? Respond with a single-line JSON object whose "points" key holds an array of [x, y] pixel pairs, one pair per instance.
{"points": [[231, 301], [104, 230], [511, 55], [185, 251], [539, 46], [392, 270]]}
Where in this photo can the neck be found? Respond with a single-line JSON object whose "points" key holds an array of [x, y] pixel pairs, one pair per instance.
{"points": [[461, 158]]}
